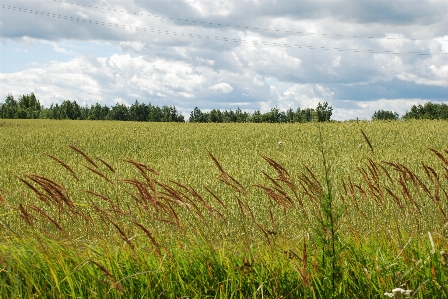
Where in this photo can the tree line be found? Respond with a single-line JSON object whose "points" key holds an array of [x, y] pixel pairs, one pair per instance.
{"points": [[427, 111], [29, 107], [321, 113]]}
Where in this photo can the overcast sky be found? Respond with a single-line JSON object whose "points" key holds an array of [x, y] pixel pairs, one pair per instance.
{"points": [[360, 56]]}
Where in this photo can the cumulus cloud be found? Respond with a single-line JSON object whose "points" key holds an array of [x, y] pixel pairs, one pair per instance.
{"points": [[221, 88], [221, 54]]}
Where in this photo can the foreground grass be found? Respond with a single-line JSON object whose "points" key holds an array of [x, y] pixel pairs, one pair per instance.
{"points": [[223, 211], [48, 269]]}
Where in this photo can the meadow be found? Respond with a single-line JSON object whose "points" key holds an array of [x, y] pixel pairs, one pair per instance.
{"points": [[102, 209]]}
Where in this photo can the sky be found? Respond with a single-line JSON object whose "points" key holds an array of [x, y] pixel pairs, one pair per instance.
{"points": [[359, 56]]}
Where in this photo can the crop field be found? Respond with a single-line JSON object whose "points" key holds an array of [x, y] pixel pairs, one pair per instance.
{"points": [[99, 209]]}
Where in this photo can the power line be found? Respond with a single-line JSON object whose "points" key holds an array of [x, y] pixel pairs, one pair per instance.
{"points": [[216, 38], [239, 27]]}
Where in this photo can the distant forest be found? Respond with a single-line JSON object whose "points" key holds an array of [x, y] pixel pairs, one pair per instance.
{"points": [[29, 107]]}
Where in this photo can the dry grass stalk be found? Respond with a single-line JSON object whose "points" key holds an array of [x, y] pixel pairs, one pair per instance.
{"points": [[144, 195], [40, 211], [395, 198], [215, 161], [212, 211], [26, 215], [374, 190], [113, 204], [367, 140], [265, 233], [281, 199], [181, 197], [177, 196], [271, 217], [227, 178], [440, 156], [271, 179], [282, 176], [57, 193], [151, 237], [171, 212], [40, 195], [314, 182], [386, 172], [351, 194], [216, 197], [431, 173], [98, 173], [3, 200], [361, 191], [304, 261], [407, 194], [122, 233], [83, 154], [111, 279], [63, 165], [240, 207], [282, 172], [106, 164], [41, 180], [232, 183], [142, 168], [373, 168], [311, 186]]}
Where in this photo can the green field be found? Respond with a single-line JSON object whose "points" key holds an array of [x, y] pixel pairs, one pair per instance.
{"points": [[268, 224]]}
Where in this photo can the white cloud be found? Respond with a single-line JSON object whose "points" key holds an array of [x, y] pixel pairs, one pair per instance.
{"points": [[135, 46], [205, 61], [195, 52], [221, 88], [61, 50], [82, 15]]}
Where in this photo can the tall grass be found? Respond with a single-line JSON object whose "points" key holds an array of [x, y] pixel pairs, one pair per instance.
{"points": [[96, 227]]}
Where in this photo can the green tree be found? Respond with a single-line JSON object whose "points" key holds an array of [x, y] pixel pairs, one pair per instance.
{"points": [[155, 114], [289, 115], [28, 107], [139, 112], [228, 116], [215, 116], [69, 110], [323, 112], [384, 115], [427, 111], [196, 116], [256, 117], [119, 112], [9, 108]]}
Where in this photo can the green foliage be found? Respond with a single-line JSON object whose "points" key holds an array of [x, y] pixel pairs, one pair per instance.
{"points": [[385, 115], [322, 113], [428, 111], [27, 107], [327, 230]]}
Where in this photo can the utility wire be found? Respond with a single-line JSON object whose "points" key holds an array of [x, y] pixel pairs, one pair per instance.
{"points": [[190, 35], [290, 32]]}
